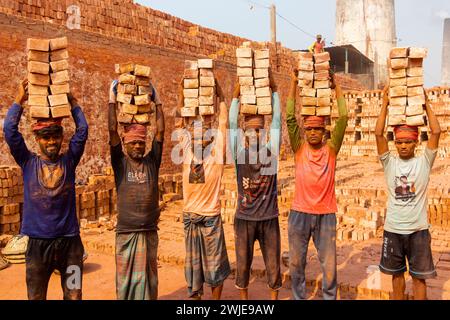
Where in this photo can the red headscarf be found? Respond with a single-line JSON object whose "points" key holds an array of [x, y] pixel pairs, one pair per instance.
{"points": [[134, 132], [47, 123], [314, 122], [406, 132]]}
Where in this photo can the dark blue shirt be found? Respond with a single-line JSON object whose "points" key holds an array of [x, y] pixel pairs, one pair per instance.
{"points": [[49, 208]]}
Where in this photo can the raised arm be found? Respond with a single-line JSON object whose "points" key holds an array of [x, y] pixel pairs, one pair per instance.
{"points": [[435, 128], [13, 137], [160, 123], [223, 119], [295, 136], [382, 143], [275, 126], [78, 141], [180, 102], [233, 118], [337, 136], [114, 138]]}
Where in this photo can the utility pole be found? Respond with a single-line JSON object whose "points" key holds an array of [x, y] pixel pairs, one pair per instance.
{"points": [[273, 24]]}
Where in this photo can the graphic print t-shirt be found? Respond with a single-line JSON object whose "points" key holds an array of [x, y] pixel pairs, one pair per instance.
{"points": [[137, 189], [407, 182], [257, 192]]}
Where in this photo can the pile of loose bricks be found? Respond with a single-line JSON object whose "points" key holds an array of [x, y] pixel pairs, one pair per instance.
{"points": [[45, 76]]}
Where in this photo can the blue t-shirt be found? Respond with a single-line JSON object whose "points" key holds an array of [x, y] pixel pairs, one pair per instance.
{"points": [[49, 208]]}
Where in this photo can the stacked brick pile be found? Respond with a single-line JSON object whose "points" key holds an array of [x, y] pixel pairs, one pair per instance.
{"points": [[170, 187], [253, 72], [45, 76], [199, 89], [134, 94], [406, 93], [11, 199], [314, 83], [364, 108], [229, 195]]}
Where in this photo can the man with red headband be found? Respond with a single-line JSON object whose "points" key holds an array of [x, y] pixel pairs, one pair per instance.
{"points": [[257, 208], [314, 207], [203, 160], [49, 207], [406, 228], [136, 177]]}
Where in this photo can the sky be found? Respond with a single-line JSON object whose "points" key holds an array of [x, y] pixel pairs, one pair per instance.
{"points": [[418, 22]]}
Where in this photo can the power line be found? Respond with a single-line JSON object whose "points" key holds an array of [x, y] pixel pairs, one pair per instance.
{"points": [[295, 26], [281, 16]]}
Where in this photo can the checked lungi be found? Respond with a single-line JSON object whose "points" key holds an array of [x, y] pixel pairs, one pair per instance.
{"points": [[137, 266], [206, 252]]}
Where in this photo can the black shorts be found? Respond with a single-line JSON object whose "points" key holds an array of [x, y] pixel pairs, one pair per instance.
{"points": [[415, 247], [268, 235], [43, 256]]}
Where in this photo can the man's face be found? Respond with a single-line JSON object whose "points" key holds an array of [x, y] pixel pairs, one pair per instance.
{"points": [[135, 149], [319, 39], [314, 135], [253, 138], [50, 144], [406, 148]]}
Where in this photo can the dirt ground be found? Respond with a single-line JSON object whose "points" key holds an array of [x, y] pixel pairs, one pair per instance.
{"points": [[99, 283]]}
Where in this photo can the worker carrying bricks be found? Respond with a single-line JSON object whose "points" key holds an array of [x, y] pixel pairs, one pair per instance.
{"points": [[49, 207], [203, 159], [314, 207], [318, 46], [406, 229], [136, 177], [257, 209]]}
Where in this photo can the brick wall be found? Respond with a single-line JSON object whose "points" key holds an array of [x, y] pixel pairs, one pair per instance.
{"points": [[111, 33]]}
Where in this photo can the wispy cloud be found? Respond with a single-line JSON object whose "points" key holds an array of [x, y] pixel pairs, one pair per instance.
{"points": [[442, 14]]}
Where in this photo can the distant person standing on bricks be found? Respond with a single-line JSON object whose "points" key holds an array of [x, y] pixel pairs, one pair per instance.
{"points": [[314, 207], [406, 229], [136, 177], [203, 163], [257, 208], [49, 208], [318, 46]]}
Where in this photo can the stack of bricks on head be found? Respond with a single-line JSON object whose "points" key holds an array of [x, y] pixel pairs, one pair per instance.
{"points": [[43, 76], [134, 94], [314, 83], [253, 73], [406, 93], [199, 90]]}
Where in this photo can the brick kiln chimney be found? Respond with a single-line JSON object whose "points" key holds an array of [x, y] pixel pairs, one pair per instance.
{"points": [[368, 25]]}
